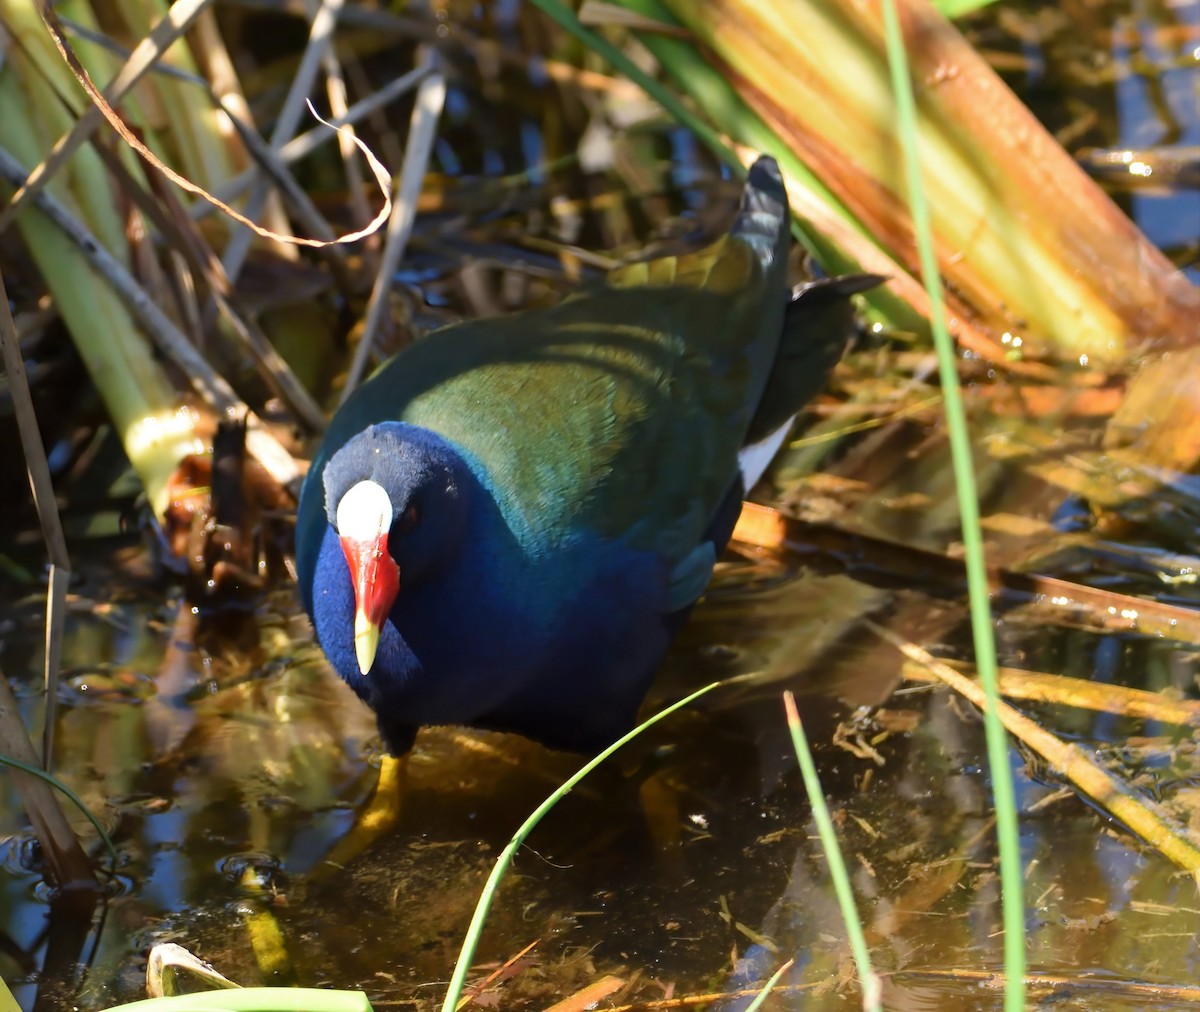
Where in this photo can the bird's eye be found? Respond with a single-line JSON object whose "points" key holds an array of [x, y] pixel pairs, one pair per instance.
{"points": [[407, 521]]}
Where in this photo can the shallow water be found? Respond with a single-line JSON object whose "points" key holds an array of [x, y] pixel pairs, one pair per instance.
{"points": [[228, 763], [690, 862]]}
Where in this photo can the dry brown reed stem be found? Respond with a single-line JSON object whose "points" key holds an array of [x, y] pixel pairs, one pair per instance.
{"points": [[590, 996], [1060, 986], [222, 94], [1039, 985], [320, 37], [1061, 690], [697, 1001], [68, 863], [767, 528], [186, 242], [339, 105], [211, 386], [1142, 816], [501, 971], [271, 365], [46, 505], [378, 20], [427, 110], [46, 10], [306, 143], [147, 52]]}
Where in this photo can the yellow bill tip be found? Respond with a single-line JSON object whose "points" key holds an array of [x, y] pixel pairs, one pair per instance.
{"points": [[366, 641]]}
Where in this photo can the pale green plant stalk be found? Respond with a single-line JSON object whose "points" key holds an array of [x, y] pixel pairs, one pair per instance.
{"points": [[255, 999], [868, 979], [202, 148], [960, 8], [141, 401], [1007, 830], [7, 1002]]}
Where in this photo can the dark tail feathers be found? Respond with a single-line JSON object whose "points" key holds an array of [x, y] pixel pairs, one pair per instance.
{"points": [[817, 326], [762, 219]]}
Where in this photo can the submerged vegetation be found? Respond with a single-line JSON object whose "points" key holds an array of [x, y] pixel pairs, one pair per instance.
{"points": [[166, 371]]}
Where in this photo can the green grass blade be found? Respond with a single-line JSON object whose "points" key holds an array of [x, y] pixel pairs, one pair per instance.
{"points": [[35, 771], [768, 987], [1012, 882], [565, 18], [725, 108], [488, 894], [958, 8], [833, 854]]}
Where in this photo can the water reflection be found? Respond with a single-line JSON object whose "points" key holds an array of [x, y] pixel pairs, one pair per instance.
{"points": [[688, 866]]}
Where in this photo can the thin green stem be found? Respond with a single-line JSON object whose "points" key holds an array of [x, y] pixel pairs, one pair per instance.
{"points": [[54, 782], [833, 854], [768, 987], [1007, 831], [565, 18], [471, 941], [959, 8]]}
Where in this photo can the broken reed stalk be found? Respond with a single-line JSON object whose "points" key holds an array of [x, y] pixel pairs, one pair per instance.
{"points": [[67, 864], [44, 502], [65, 856], [1069, 760], [1028, 244], [1063, 690], [427, 112]]}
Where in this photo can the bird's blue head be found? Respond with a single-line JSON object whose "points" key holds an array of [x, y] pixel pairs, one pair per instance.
{"points": [[397, 500]]}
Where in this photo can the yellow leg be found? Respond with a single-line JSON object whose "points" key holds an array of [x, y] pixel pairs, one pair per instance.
{"points": [[378, 816]]}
